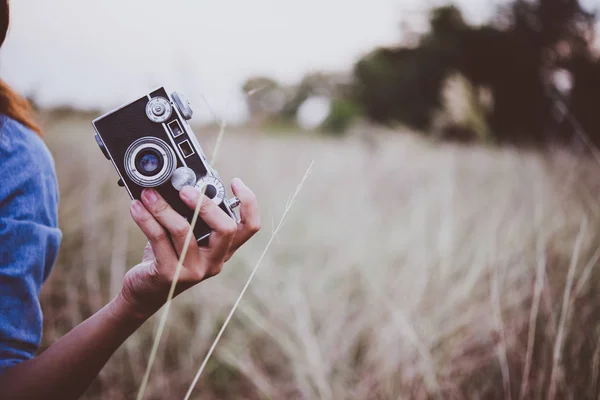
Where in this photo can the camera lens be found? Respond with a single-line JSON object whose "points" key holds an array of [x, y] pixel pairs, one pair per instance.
{"points": [[149, 162]]}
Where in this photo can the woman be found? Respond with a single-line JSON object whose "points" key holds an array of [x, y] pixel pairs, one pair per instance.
{"points": [[29, 241]]}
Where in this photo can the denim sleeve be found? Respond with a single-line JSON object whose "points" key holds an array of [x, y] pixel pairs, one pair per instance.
{"points": [[29, 238]]}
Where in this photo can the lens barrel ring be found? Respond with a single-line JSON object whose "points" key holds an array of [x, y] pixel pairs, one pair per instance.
{"points": [[167, 163]]}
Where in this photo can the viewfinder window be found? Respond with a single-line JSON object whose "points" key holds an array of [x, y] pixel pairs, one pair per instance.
{"points": [[175, 128], [186, 148]]}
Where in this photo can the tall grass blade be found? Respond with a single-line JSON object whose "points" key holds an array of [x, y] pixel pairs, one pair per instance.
{"points": [[239, 299]]}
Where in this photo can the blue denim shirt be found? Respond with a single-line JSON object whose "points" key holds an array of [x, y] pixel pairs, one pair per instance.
{"points": [[29, 238]]}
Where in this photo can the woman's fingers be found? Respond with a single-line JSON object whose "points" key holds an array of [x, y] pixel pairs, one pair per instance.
{"points": [[175, 224], [167, 231], [156, 234], [148, 254], [249, 214], [248, 226], [160, 222], [222, 225]]}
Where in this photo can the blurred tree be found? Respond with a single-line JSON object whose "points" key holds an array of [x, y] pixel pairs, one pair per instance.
{"points": [[265, 99], [331, 85], [274, 104], [513, 57], [404, 84], [343, 113]]}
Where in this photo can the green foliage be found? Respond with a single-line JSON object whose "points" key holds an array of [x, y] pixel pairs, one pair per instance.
{"points": [[404, 84], [265, 99], [275, 106], [513, 57], [401, 85], [343, 114], [466, 108]]}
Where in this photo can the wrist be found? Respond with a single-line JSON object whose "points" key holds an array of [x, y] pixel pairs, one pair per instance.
{"points": [[125, 311]]}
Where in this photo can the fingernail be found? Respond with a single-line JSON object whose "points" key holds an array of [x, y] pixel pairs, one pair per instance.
{"points": [[189, 193], [136, 207], [150, 196]]}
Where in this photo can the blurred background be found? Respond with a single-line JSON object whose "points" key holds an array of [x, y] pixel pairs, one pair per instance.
{"points": [[445, 244]]}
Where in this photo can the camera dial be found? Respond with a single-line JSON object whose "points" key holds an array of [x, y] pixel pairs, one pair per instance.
{"points": [[150, 162], [214, 188], [159, 109]]}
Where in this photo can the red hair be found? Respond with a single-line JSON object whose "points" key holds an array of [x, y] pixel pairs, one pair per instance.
{"points": [[11, 104]]}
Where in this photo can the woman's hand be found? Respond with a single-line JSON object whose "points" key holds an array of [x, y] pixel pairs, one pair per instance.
{"points": [[66, 369], [146, 286]]}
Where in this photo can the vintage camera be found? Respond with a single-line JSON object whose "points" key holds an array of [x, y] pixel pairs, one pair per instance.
{"points": [[151, 145]]}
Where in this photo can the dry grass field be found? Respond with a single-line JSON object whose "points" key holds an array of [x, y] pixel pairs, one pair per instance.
{"points": [[406, 270]]}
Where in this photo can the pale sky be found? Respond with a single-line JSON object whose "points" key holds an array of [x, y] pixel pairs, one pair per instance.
{"points": [[101, 54]]}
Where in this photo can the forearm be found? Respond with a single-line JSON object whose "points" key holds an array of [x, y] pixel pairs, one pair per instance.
{"points": [[67, 368]]}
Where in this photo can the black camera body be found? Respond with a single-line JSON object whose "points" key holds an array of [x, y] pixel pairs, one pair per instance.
{"points": [[151, 145]]}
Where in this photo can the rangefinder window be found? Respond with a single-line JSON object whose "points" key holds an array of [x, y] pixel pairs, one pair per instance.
{"points": [[175, 128], [186, 148]]}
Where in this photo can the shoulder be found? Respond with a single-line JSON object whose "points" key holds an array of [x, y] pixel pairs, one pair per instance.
{"points": [[13, 133], [19, 143], [28, 173]]}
